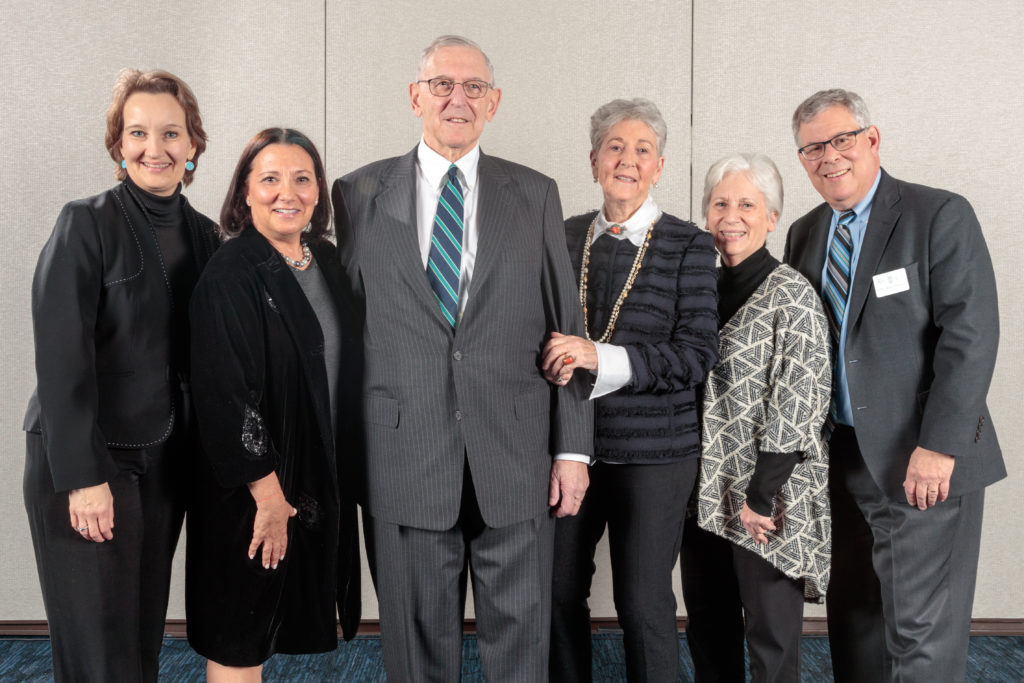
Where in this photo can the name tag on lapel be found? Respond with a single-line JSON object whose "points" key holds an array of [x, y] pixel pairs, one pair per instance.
{"points": [[893, 282]]}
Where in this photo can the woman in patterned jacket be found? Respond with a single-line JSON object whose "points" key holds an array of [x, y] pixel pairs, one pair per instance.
{"points": [[759, 543]]}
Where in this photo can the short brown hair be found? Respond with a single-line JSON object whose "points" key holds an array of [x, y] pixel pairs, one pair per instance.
{"points": [[236, 216], [131, 81]]}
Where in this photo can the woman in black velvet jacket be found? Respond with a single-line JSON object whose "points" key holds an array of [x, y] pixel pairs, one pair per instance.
{"points": [[108, 426], [272, 535]]}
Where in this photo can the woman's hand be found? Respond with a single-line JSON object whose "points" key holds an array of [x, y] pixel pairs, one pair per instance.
{"points": [[270, 529], [563, 354], [756, 525], [92, 512]]}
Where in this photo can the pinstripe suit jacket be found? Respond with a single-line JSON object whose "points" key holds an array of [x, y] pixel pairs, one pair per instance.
{"points": [[431, 396]]}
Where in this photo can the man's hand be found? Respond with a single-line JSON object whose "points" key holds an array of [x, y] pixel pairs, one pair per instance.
{"points": [[569, 482], [928, 474], [92, 512]]}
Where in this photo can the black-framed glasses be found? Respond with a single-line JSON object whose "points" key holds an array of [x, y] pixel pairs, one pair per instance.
{"points": [[443, 87], [840, 143]]}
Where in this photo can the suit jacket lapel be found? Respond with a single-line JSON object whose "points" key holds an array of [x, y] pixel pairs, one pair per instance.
{"points": [[884, 215], [495, 212], [817, 247], [395, 224]]}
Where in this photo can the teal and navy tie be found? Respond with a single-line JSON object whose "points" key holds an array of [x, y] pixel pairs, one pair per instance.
{"points": [[836, 291], [445, 255]]}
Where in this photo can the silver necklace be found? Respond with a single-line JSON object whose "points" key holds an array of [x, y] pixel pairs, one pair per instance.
{"points": [[307, 256]]}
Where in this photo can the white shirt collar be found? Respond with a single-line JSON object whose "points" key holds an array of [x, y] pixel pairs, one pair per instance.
{"points": [[635, 228], [434, 167]]}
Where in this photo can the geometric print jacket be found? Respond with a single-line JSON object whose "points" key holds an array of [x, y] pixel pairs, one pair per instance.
{"points": [[770, 392]]}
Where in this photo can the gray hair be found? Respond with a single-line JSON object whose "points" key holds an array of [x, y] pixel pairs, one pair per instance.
{"points": [[758, 168], [453, 41], [822, 100], [636, 109]]}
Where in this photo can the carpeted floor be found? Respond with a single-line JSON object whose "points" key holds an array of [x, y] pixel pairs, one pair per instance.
{"points": [[992, 659]]}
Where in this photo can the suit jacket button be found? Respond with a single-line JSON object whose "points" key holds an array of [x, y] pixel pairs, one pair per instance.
{"points": [[458, 414], [457, 355]]}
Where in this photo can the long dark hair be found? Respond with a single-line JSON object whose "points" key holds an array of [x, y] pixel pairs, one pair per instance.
{"points": [[235, 216]]}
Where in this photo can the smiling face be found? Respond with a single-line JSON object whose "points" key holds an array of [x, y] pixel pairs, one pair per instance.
{"points": [[154, 142], [738, 218], [841, 178], [453, 124], [625, 165], [282, 192]]}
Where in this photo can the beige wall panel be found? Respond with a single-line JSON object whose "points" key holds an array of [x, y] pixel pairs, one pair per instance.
{"points": [[945, 84], [555, 65], [59, 64]]}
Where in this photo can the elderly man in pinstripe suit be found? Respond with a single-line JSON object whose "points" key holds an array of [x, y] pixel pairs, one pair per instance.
{"points": [[460, 273]]}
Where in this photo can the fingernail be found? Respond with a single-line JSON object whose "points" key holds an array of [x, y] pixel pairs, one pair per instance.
{"points": [[282, 557], [275, 565], [252, 557], [266, 566]]}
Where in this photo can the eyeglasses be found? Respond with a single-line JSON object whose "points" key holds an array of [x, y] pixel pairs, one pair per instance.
{"points": [[443, 87], [840, 143]]}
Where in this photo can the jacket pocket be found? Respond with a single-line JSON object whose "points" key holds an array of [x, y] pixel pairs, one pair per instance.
{"points": [[381, 410]]}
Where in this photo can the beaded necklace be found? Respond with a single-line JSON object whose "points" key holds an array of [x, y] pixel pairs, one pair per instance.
{"points": [[307, 256], [630, 279]]}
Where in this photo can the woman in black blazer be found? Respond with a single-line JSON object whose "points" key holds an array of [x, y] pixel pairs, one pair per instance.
{"points": [[272, 536], [647, 286], [108, 425]]}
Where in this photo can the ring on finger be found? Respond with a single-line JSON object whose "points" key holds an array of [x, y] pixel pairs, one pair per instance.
{"points": [[566, 359], [81, 529]]}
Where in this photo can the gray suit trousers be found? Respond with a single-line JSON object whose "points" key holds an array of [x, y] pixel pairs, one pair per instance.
{"points": [[420, 577], [899, 602]]}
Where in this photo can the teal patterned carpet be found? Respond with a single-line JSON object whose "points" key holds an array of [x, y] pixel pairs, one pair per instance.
{"points": [[992, 659]]}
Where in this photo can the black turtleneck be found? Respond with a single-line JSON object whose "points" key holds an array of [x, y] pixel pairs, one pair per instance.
{"points": [[735, 285], [166, 216]]}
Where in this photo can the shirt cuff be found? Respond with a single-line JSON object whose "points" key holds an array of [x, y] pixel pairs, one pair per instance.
{"points": [[574, 457], [613, 369]]}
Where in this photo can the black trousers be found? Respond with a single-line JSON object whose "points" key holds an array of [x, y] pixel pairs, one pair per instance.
{"points": [[902, 587], [106, 603], [730, 593], [643, 507]]}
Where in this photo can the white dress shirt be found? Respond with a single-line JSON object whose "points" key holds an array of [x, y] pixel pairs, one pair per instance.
{"points": [[431, 177], [613, 368]]}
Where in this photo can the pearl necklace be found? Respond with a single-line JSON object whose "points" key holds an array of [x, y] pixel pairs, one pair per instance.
{"points": [[630, 279], [307, 256]]}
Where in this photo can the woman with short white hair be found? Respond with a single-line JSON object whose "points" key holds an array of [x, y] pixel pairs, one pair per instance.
{"points": [[759, 543]]}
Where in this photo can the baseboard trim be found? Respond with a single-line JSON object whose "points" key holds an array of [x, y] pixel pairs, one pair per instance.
{"points": [[813, 626]]}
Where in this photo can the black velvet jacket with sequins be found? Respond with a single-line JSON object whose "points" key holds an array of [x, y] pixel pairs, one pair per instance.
{"points": [[262, 403]]}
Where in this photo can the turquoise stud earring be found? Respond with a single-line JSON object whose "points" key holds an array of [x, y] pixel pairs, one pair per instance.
{"points": [[189, 166], [124, 164]]}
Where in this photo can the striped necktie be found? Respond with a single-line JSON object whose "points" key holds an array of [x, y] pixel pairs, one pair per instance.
{"points": [[836, 292], [445, 254]]}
